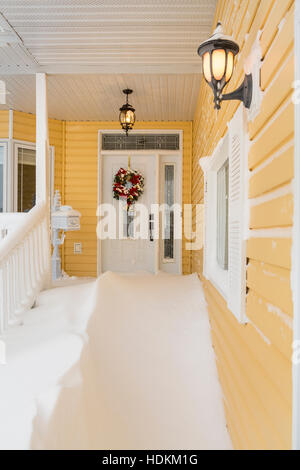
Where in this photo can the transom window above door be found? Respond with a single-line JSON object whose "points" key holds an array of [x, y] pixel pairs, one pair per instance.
{"points": [[118, 141]]}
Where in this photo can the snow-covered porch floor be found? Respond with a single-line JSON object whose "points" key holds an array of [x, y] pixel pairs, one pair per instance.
{"points": [[122, 362]]}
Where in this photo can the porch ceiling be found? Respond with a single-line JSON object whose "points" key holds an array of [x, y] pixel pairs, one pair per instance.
{"points": [[163, 97], [148, 45], [123, 36]]}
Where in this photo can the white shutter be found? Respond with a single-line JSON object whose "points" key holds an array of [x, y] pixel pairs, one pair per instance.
{"points": [[237, 216]]}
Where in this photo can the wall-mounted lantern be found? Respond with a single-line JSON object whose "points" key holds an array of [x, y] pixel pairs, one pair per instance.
{"points": [[127, 116], [218, 54]]}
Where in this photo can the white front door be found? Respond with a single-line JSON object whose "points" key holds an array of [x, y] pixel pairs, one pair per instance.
{"points": [[163, 181], [125, 253]]}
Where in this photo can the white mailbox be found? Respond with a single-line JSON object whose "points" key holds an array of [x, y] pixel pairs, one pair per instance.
{"points": [[63, 218], [66, 218]]}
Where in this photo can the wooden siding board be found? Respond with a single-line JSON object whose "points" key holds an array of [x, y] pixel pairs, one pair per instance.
{"points": [[274, 251], [274, 136], [274, 97], [272, 283], [275, 213], [281, 47], [279, 171]]}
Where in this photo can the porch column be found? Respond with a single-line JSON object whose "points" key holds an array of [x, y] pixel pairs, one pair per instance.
{"points": [[42, 141], [42, 157]]}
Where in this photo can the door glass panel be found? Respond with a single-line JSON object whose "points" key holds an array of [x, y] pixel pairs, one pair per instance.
{"points": [[1, 177], [128, 223], [169, 196], [26, 179]]}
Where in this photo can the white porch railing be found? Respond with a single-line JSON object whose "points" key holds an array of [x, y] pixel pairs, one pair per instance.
{"points": [[9, 222], [24, 262]]}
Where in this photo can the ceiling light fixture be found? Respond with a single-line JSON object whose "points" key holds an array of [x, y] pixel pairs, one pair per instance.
{"points": [[127, 113]]}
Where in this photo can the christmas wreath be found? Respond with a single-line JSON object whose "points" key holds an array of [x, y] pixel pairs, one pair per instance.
{"points": [[128, 184]]}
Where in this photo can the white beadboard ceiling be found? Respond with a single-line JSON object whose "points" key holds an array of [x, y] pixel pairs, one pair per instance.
{"points": [[98, 97], [92, 49]]}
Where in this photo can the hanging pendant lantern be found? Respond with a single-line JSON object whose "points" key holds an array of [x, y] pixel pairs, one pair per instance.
{"points": [[218, 54], [127, 114]]}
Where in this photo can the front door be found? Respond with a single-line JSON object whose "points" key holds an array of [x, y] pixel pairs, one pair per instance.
{"points": [[130, 250], [126, 253]]}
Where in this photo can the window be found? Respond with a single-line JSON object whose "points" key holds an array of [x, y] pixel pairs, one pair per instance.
{"points": [[26, 179], [225, 174], [25, 176], [169, 199]]}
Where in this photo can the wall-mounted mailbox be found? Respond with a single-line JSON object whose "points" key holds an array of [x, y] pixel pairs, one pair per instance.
{"points": [[63, 218]]}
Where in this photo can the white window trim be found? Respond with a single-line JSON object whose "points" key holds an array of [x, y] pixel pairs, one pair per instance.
{"points": [[211, 165], [232, 283]]}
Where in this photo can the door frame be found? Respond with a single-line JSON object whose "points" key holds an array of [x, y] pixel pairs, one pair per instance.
{"points": [[178, 154], [296, 241]]}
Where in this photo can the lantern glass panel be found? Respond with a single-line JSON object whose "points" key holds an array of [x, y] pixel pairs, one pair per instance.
{"points": [[206, 67], [218, 63], [129, 118], [229, 71]]}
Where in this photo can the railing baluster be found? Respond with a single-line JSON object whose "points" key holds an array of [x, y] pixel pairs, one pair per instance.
{"points": [[24, 262]]}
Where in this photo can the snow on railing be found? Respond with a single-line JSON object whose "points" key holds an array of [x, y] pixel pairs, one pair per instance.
{"points": [[24, 262]]}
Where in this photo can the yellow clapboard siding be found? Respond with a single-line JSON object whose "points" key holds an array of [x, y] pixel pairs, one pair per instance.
{"points": [[4, 124], [24, 129], [272, 322], [255, 381], [256, 430], [272, 283], [275, 365], [240, 401], [262, 433], [278, 92], [275, 213], [278, 172], [271, 28], [275, 251], [81, 259], [271, 155], [280, 48], [275, 135]]}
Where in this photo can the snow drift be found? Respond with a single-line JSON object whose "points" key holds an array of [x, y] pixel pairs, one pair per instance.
{"points": [[142, 374]]}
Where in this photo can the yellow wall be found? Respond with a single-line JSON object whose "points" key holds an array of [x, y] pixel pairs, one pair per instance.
{"points": [[24, 129], [254, 361], [76, 176], [4, 124]]}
